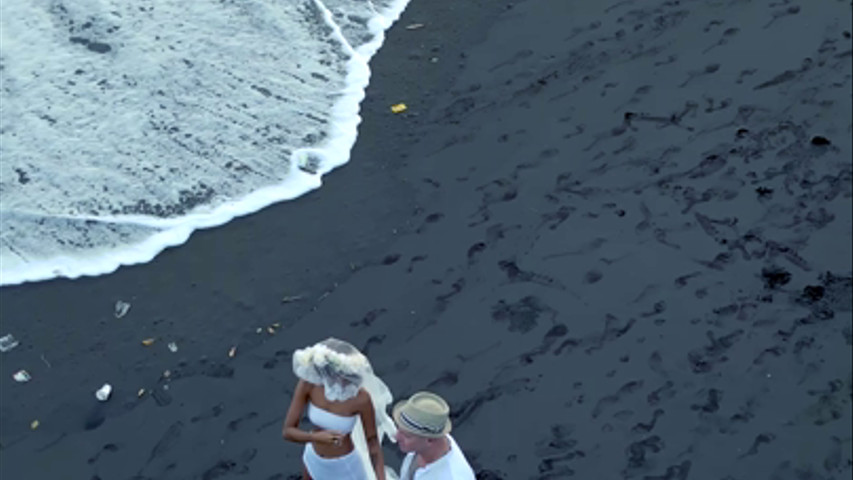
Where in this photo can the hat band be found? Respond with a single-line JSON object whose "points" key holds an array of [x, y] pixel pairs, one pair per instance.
{"points": [[419, 426]]}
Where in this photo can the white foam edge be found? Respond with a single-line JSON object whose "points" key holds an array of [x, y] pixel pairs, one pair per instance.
{"points": [[334, 152]]}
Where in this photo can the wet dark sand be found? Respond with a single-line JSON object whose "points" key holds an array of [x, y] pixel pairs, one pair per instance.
{"points": [[614, 235]]}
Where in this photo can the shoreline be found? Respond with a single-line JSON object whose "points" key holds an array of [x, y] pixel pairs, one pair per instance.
{"points": [[191, 294], [165, 233], [598, 232]]}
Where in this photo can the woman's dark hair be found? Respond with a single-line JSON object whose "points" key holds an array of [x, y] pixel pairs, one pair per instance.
{"points": [[328, 371], [344, 348]]}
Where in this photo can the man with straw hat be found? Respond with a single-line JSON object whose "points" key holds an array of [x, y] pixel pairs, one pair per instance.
{"points": [[423, 433]]}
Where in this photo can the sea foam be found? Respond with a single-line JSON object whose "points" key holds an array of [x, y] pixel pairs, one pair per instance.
{"points": [[127, 127]]}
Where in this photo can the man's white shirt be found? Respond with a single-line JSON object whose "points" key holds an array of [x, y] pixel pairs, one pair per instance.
{"points": [[451, 466]]}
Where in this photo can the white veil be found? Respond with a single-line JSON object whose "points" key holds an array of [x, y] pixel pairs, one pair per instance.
{"points": [[321, 365]]}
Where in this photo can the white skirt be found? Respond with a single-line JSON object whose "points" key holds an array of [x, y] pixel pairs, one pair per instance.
{"points": [[348, 467]]}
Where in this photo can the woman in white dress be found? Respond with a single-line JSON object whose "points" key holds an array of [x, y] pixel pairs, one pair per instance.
{"points": [[346, 403]]}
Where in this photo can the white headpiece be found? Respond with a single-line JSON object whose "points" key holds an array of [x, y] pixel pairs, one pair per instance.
{"points": [[342, 375]]}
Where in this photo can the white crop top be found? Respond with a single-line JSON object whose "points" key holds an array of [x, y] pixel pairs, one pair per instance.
{"points": [[330, 421]]}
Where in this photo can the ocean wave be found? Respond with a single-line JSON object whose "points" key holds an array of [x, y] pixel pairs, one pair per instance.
{"points": [[125, 127]]}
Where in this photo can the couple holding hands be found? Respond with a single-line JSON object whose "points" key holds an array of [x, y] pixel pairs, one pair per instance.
{"points": [[346, 403]]}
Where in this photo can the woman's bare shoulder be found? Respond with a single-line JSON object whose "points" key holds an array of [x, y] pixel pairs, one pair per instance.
{"points": [[305, 389], [362, 399]]}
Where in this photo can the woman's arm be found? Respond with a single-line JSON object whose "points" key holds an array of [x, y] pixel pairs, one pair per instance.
{"points": [[368, 421], [290, 430]]}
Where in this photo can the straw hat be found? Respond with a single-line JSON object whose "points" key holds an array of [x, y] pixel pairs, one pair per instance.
{"points": [[424, 414]]}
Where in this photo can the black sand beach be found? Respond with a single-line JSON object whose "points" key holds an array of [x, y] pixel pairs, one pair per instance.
{"points": [[614, 235]]}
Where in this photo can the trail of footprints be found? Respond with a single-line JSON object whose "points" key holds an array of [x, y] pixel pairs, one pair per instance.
{"points": [[791, 184], [739, 167]]}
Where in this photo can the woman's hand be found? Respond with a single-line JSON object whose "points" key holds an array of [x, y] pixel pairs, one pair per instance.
{"points": [[328, 437]]}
